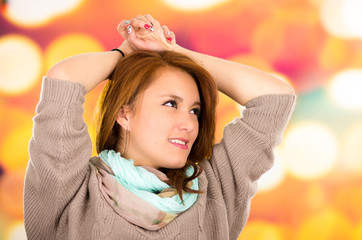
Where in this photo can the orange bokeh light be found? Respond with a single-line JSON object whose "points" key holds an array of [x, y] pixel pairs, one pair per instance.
{"points": [[11, 193]]}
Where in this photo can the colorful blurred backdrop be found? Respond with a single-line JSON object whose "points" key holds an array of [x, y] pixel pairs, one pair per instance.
{"points": [[314, 191]]}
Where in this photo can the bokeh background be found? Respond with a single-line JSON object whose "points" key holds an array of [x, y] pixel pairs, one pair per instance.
{"points": [[314, 191]]}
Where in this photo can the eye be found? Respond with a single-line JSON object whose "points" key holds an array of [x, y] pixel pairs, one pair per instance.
{"points": [[196, 111], [171, 103]]}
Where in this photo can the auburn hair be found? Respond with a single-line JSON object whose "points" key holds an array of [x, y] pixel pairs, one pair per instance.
{"points": [[130, 78]]}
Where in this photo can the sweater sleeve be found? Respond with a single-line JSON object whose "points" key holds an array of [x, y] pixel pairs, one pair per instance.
{"points": [[59, 150], [246, 151]]}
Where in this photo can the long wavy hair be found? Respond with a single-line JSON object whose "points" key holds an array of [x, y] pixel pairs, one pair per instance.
{"points": [[130, 78]]}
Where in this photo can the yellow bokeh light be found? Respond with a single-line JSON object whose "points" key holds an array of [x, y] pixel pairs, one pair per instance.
{"points": [[358, 232], [342, 18], [70, 45], [193, 5], [335, 53], [20, 64], [16, 231], [37, 12], [259, 230], [351, 150], [14, 147], [309, 150], [346, 89], [273, 177], [326, 225]]}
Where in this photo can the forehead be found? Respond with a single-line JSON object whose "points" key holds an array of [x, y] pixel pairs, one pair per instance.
{"points": [[173, 81]]}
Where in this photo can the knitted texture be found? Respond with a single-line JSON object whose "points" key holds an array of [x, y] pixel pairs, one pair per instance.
{"points": [[62, 199]]}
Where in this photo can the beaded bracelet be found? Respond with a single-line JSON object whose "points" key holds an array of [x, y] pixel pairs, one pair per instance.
{"points": [[118, 50]]}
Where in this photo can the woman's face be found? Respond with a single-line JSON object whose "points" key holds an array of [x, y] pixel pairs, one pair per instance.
{"points": [[164, 125]]}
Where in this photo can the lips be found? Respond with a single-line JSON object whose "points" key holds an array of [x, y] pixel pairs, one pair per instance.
{"points": [[179, 142]]}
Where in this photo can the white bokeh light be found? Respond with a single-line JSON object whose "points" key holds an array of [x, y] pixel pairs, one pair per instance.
{"points": [[273, 177], [309, 150], [346, 89], [342, 18], [20, 64], [351, 150], [193, 5], [352, 17], [37, 12]]}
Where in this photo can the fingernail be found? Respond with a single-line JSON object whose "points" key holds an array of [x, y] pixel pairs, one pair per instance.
{"points": [[129, 29], [168, 33], [169, 39], [151, 29], [127, 22], [147, 26]]}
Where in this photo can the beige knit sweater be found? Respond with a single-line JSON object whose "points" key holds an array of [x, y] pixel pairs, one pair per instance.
{"points": [[62, 198]]}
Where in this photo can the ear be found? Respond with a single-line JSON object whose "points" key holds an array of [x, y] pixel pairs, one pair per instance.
{"points": [[124, 117]]}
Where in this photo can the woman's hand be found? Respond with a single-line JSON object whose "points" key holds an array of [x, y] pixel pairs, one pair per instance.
{"points": [[145, 33]]}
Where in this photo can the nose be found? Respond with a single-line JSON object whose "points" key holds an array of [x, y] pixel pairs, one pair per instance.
{"points": [[187, 122]]}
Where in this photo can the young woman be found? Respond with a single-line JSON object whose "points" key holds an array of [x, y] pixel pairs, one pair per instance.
{"points": [[158, 174]]}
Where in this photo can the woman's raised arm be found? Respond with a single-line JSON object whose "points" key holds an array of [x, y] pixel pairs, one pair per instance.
{"points": [[89, 69], [240, 82]]}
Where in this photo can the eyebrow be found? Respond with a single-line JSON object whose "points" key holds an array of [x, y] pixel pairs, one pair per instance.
{"points": [[180, 99]]}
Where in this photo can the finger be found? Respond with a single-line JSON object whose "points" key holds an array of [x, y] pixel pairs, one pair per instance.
{"points": [[122, 28], [154, 22], [166, 33], [173, 36], [141, 24], [170, 36], [150, 19], [143, 18]]}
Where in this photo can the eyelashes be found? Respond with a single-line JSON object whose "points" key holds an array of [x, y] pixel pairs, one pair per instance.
{"points": [[173, 103], [170, 103]]}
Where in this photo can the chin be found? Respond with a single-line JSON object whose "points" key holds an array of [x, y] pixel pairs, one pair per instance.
{"points": [[177, 164]]}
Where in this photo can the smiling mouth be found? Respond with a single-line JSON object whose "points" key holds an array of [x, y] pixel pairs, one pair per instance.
{"points": [[179, 143]]}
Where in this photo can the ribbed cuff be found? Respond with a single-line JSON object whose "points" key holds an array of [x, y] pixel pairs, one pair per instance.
{"points": [[275, 104], [269, 114], [61, 91]]}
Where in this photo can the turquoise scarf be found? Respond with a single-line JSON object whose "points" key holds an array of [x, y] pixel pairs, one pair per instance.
{"points": [[146, 185]]}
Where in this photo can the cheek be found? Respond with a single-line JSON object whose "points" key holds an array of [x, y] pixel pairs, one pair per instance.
{"points": [[152, 124], [196, 132]]}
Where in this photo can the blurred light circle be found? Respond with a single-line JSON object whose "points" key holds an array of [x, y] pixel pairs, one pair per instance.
{"points": [[37, 12], [348, 198], [335, 54], [351, 15], [14, 147], [70, 45], [193, 5], [358, 232], [11, 194], [342, 18], [260, 230], [309, 150], [226, 111], [20, 64], [273, 177], [346, 89], [351, 150], [328, 224], [16, 231]]}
